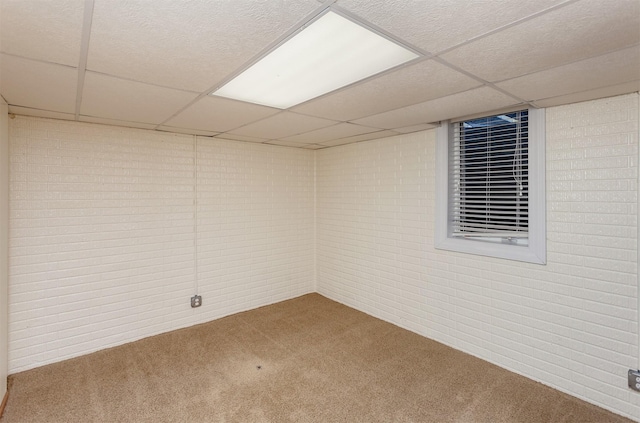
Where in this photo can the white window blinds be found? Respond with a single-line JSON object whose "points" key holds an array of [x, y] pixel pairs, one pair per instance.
{"points": [[489, 177]]}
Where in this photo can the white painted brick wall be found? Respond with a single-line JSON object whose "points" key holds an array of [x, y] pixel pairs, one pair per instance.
{"points": [[572, 324], [256, 225], [102, 244], [102, 234]]}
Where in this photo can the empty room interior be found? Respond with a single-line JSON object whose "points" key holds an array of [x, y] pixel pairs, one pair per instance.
{"points": [[319, 211]]}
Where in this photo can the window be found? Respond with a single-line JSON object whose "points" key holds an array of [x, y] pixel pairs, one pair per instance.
{"points": [[490, 197]]}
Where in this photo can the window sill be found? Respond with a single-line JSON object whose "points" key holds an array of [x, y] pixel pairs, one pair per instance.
{"points": [[524, 253]]}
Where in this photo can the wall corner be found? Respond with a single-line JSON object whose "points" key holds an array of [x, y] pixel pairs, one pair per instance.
{"points": [[4, 247]]}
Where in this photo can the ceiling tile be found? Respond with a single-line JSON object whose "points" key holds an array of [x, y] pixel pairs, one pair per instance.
{"points": [[583, 29], [357, 138], [439, 24], [410, 85], [115, 122], [38, 85], [456, 105], [43, 30], [220, 114], [17, 110], [188, 131], [590, 94], [187, 45], [340, 130], [282, 125], [609, 69], [119, 99], [153, 59]]}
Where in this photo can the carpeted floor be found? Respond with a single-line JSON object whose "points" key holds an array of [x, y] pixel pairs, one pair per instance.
{"points": [[304, 360]]}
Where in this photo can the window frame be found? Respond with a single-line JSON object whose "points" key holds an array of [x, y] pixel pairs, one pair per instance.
{"points": [[535, 251]]}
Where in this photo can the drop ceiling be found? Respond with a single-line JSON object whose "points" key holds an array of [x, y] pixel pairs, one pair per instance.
{"points": [[153, 63]]}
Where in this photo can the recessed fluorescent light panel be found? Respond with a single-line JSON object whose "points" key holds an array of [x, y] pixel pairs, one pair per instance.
{"points": [[329, 54]]}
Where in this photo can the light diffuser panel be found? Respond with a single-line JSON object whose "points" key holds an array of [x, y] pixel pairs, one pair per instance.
{"points": [[329, 54]]}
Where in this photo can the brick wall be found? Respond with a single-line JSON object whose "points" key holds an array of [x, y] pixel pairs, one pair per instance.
{"points": [[256, 225], [102, 229], [572, 324]]}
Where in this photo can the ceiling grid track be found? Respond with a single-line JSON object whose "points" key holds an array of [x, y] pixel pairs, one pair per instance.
{"points": [[507, 26]]}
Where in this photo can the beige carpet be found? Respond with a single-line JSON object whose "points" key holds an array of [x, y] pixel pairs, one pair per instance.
{"points": [[304, 360]]}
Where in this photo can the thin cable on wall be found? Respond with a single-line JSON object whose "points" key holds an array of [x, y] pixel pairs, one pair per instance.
{"points": [[195, 214]]}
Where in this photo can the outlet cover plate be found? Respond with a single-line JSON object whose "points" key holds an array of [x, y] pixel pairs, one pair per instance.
{"points": [[196, 301]]}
